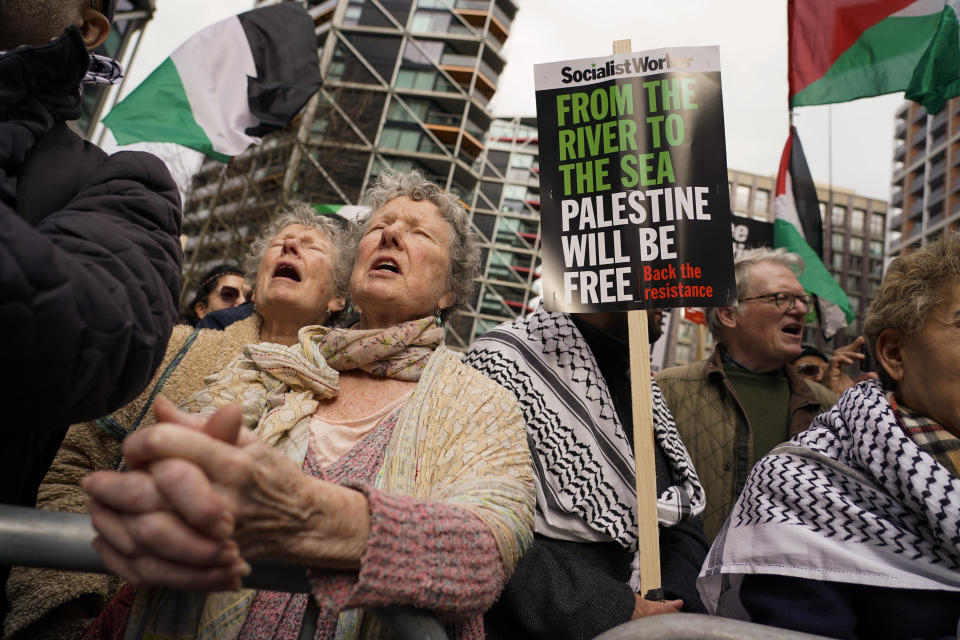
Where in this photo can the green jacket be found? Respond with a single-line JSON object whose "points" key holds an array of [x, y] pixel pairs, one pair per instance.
{"points": [[716, 432]]}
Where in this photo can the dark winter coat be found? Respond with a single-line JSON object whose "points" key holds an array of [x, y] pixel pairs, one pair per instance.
{"points": [[89, 264]]}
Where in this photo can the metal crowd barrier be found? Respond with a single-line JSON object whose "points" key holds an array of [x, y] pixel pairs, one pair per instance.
{"points": [[697, 626], [60, 540]]}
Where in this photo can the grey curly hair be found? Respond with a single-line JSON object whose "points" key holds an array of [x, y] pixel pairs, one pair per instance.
{"points": [[914, 285], [464, 244], [303, 214], [741, 272]]}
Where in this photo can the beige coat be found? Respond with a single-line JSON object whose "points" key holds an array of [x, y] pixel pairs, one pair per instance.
{"points": [[56, 604], [714, 427]]}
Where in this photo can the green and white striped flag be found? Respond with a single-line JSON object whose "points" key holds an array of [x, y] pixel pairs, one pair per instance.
{"points": [[227, 85], [795, 209], [842, 50]]}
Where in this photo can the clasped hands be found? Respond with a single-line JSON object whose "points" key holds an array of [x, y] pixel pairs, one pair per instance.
{"points": [[202, 497]]}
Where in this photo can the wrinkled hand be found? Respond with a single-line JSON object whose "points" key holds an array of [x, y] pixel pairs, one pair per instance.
{"points": [[212, 495], [181, 531], [643, 607], [836, 380]]}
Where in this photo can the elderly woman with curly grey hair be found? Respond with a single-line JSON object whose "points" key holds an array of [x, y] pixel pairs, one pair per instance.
{"points": [[852, 529], [300, 274], [371, 456]]}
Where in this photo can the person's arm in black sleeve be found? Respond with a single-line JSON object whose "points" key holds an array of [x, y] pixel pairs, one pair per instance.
{"points": [[564, 591], [683, 548], [845, 610], [88, 296]]}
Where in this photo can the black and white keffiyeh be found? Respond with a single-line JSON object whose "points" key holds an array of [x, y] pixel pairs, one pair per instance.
{"points": [[853, 499], [103, 71], [586, 482]]}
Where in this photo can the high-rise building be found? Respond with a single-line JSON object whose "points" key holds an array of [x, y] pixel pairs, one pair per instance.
{"points": [[129, 19], [406, 86], [853, 252], [925, 194], [506, 213]]}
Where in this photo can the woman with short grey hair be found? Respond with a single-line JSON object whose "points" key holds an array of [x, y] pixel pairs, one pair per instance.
{"points": [[464, 244], [300, 213]]}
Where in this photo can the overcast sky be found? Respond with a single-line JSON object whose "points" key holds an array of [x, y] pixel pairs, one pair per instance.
{"points": [[751, 34]]}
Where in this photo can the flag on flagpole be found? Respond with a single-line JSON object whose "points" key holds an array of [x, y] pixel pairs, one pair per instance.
{"points": [[797, 227], [227, 85], [349, 212], [842, 50]]}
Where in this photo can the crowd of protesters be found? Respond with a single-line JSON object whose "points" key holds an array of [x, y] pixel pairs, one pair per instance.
{"points": [[309, 411]]}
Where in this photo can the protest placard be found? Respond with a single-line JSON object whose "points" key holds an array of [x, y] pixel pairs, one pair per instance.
{"points": [[635, 207], [749, 233]]}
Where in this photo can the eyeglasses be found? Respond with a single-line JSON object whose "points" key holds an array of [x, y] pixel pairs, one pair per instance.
{"points": [[809, 369], [784, 300], [228, 294]]}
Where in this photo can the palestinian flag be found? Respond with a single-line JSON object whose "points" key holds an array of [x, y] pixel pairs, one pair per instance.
{"points": [[797, 228], [226, 86], [349, 212], [847, 49]]}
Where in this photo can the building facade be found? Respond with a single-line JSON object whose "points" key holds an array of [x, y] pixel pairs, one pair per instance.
{"points": [[925, 192], [506, 214], [406, 86]]}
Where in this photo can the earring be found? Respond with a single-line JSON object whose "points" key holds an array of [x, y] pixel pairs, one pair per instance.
{"points": [[439, 319]]}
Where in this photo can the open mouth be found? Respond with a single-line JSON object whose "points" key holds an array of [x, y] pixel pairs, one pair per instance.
{"points": [[386, 264], [793, 329], [287, 271]]}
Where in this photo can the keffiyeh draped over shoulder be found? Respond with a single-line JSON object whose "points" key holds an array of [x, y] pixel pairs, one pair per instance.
{"points": [[586, 482], [853, 499]]}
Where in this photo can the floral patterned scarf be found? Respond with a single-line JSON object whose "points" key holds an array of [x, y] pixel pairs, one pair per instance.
{"points": [[400, 351], [279, 388]]}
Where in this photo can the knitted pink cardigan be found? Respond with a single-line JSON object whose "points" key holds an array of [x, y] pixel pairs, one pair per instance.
{"points": [[429, 555]]}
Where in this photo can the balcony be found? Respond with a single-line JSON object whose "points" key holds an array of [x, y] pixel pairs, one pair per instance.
{"points": [[919, 113], [531, 238], [916, 184], [939, 123], [454, 120], [468, 60], [916, 209], [323, 12], [935, 196], [896, 199], [476, 12], [447, 134], [937, 170], [901, 131], [463, 75]]}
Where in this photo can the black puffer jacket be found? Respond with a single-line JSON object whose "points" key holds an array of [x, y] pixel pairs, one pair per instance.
{"points": [[89, 264]]}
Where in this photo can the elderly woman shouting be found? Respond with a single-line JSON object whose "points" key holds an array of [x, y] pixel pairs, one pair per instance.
{"points": [[852, 529], [301, 279], [416, 485]]}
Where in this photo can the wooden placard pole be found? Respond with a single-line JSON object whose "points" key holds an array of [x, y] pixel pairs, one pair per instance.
{"points": [[643, 443]]}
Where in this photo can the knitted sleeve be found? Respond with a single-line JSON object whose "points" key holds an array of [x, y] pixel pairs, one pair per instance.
{"points": [[425, 554]]}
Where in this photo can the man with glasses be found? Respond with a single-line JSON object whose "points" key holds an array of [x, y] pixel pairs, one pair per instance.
{"points": [[734, 407]]}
